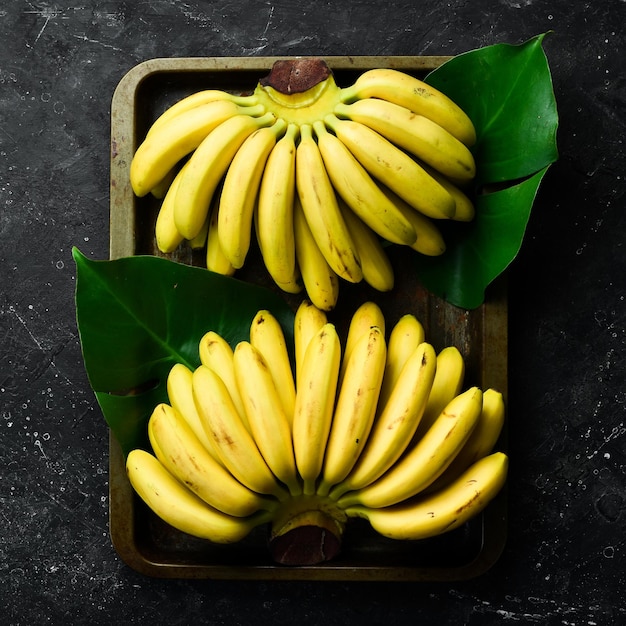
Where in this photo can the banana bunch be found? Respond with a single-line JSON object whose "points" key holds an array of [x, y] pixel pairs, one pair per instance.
{"points": [[322, 176], [380, 428]]}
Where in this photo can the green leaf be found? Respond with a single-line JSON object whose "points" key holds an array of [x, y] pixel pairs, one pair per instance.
{"points": [[507, 92], [139, 316]]}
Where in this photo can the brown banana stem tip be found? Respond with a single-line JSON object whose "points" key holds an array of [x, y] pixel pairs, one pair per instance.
{"points": [[296, 75]]}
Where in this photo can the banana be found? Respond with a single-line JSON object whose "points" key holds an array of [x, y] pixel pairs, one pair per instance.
{"points": [[267, 336], [444, 510], [163, 185], [360, 191], [167, 236], [308, 320], [418, 135], [182, 509], [269, 424], [464, 210], [355, 408], [197, 99], [447, 385], [429, 240], [180, 394], [394, 168], [480, 442], [274, 216], [234, 444], [395, 421], [217, 354], [410, 92], [406, 335], [315, 401], [216, 260], [426, 460], [375, 263], [200, 240], [319, 204], [208, 165], [184, 456], [240, 190], [163, 148], [320, 280]]}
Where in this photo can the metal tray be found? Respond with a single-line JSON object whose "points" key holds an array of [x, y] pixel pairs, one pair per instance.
{"points": [[153, 548]]}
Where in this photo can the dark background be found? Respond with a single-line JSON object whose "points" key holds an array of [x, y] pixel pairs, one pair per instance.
{"points": [[59, 65]]}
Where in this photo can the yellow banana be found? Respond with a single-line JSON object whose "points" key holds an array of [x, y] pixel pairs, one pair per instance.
{"points": [[167, 236], [217, 354], [182, 509], [406, 335], [429, 241], [410, 92], [267, 336], [375, 263], [423, 138], [163, 185], [234, 444], [274, 217], [319, 204], [427, 459], [355, 408], [446, 386], [159, 152], [480, 442], [464, 210], [180, 394], [315, 401], [216, 260], [308, 320], [269, 424], [395, 422], [207, 166], [394, 168], [360, 191], [240, 190], [199, 98], [444, 510], [184, 456], [320, 280]]}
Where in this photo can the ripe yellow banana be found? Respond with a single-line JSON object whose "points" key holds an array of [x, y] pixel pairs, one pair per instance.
{"points": [[447, 385], [414, 94], [267, 336], [207, 166], [320, 280], [182, 509], [274, 218], [426, 460], [240, 190], [164, 184], [180, 394], [444, 510], [395, 421], [234, 444], [464, 207], [184, 456], [308, 320], [315, 401], [163, 148], [375, 263], [423, 138], [355, 408], [269, 424], [167, 236], [216, 260], [394, 168], [319, 204], [360, 191], [406, 335], [480, 443]]}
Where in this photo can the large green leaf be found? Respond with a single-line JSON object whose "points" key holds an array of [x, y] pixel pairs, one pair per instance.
{"points": [[139, 316], [507, 92]]}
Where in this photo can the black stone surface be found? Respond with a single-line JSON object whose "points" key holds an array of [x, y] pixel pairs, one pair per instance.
{"points": [[59, 65]]}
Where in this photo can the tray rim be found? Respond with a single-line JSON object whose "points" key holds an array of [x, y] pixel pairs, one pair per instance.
{"points": [[122, 242]]}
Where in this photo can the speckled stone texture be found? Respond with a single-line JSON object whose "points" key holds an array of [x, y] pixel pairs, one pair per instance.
{"points": [[563, 563]]}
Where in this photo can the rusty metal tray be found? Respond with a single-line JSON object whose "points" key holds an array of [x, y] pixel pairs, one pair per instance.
{"points": [[150, 546]]}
